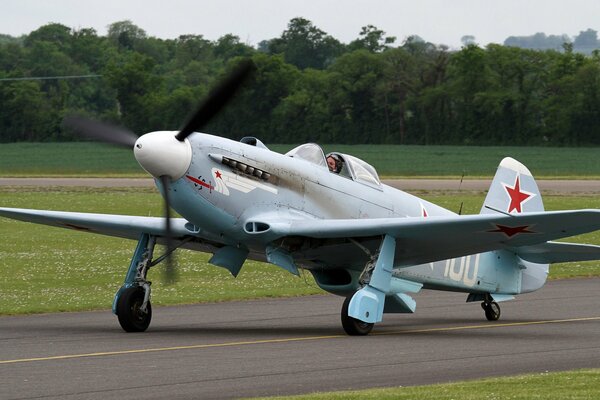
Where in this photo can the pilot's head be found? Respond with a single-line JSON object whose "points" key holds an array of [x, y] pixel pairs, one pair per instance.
{"points": [[334, 162]]}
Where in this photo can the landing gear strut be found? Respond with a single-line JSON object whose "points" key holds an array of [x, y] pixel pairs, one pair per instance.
{"points": [[365, 307], [491, 308], [132, 301]]}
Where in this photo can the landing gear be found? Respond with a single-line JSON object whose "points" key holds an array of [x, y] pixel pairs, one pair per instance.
{"points": [[353, 326], [492, 310], [365, 307], [132, 301], [133, 311]]}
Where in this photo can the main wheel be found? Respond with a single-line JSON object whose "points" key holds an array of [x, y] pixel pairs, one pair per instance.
{"points": [[492, 311], [131, 317], [353, 326]]}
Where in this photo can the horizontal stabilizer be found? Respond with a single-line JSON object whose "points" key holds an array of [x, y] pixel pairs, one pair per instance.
{"points": [[554, 252]]}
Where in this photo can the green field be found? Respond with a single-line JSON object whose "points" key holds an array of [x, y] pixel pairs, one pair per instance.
{"points": [[575, 385], [45, 269], [90, 159]]}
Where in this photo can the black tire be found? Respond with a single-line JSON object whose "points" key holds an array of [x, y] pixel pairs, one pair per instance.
{"points": [[492, 311], [131, 318], [353, 326]]}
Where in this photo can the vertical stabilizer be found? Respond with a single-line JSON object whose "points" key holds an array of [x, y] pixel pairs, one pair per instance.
{"points": [[513, 190]]}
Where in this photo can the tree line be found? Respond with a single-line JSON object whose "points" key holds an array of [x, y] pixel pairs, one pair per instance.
{"points": [[586, 42], [308, 86]]}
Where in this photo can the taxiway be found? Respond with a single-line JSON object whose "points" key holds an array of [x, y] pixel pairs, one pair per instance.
{"points": [[296, 345]]}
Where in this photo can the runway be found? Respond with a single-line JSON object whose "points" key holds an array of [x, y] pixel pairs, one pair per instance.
{"points": [[291, 346]]}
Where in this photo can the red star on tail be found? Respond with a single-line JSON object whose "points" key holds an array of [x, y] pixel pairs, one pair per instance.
{"points": [[517, 197]]}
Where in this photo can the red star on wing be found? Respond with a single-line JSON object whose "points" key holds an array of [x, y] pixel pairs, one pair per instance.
{"points": [[517, 196], [218, 174], [511, 231]]}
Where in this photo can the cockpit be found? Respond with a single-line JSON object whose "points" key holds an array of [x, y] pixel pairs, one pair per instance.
{"points": [[345, 165]]}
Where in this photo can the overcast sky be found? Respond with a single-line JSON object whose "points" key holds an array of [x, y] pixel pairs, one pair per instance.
{"points": [[437, 21]]}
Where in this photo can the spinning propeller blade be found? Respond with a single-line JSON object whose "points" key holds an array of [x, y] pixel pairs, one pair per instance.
{"points": [[101, 131], [170, 273], [217, 99]]}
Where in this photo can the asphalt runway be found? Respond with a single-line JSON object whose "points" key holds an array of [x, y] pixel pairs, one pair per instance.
{"points": [[546, 186], [290, 346]]}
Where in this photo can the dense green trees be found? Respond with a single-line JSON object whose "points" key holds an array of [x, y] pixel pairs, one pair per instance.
{"points": [[308, 87]]}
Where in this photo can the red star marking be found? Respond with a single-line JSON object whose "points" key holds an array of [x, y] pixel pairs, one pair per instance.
{"points": [[517, 197], [511, 231], [218, 174]]}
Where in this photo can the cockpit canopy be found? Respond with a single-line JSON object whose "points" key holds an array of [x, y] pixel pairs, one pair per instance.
{"points": [[353, 168], [310, 152], [362, 171]]}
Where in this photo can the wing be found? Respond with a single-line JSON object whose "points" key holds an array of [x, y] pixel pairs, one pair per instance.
{"points": [[125, 226], [424, 240]]}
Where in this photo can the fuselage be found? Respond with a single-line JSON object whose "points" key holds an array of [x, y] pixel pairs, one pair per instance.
{"points": [[229, 187]]}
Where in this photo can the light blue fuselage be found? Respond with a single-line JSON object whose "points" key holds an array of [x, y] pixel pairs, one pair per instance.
{"points": [[300, 189]]}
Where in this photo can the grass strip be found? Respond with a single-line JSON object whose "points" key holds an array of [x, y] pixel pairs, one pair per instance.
{"points": [[578, 384]]}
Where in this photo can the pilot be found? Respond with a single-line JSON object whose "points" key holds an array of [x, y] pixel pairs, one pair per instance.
{"points": [[334, 162]]}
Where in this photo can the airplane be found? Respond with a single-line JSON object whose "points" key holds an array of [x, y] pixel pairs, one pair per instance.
{"points": [[329, 214]]}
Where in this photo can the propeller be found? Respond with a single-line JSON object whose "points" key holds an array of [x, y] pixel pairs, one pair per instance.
{"points": [[170, 273], [123, 137], [101, 131], [217, 99]]}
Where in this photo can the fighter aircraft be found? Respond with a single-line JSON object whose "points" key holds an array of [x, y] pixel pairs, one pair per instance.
{"points": [[328, 214]]}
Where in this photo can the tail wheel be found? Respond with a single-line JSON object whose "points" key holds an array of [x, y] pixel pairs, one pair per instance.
{"points": [[492, 311], [131, 317], [353, 326]]}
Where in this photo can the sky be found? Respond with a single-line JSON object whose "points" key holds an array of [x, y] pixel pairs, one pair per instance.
{"points": [[437, 21]]}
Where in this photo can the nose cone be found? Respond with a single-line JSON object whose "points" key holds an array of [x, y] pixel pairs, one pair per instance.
{"points": [[159, 153]]}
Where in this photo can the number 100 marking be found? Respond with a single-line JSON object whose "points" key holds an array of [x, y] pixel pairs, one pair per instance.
{"points": [[466, 272]]}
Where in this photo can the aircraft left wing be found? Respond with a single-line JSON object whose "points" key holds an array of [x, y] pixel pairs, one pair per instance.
{"points": [[424, 240], [125, 226]]}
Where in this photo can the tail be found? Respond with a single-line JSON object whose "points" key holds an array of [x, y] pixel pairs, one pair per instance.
{"points": [[513, 190]]}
